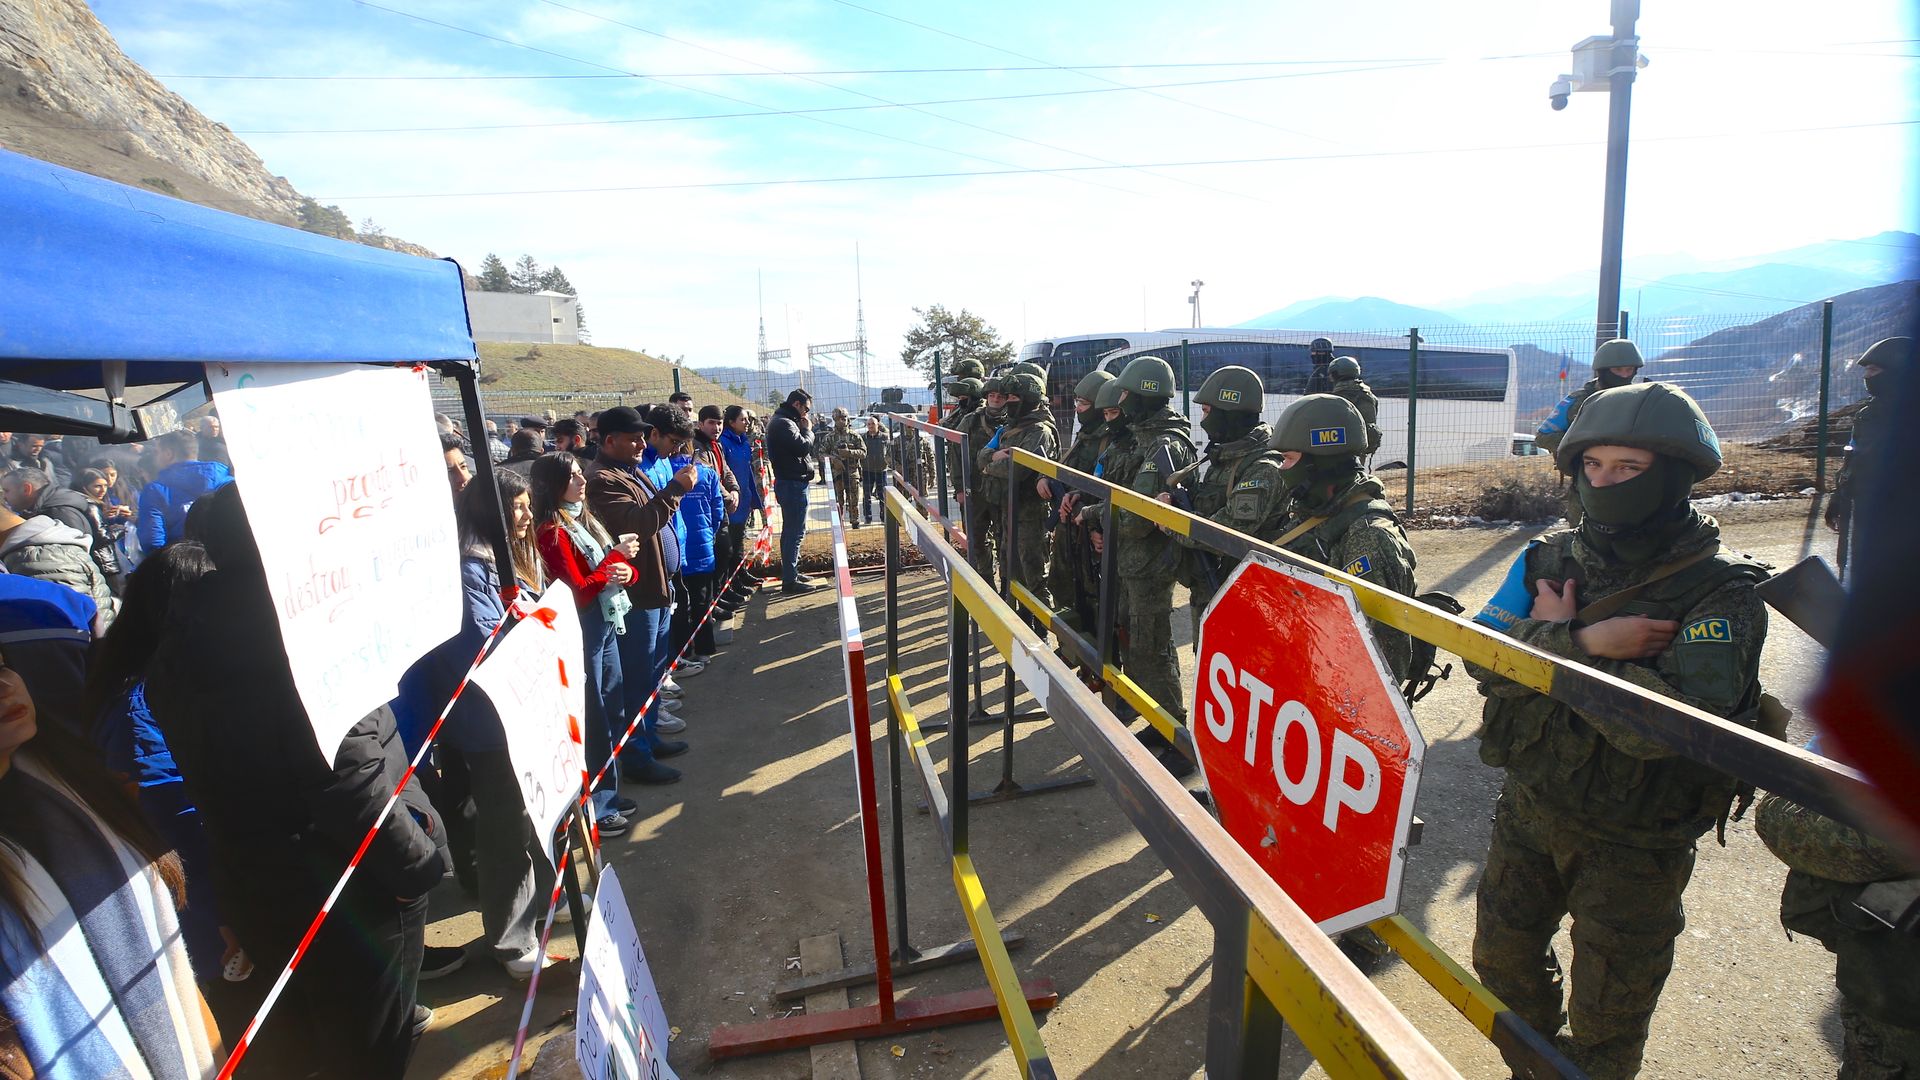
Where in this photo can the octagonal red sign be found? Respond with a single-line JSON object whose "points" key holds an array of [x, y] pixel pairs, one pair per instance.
{"points": [[1307, 745]]}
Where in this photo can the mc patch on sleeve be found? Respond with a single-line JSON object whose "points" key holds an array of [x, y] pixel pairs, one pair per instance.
{"points": [[1360, 567], [1708, 630]]}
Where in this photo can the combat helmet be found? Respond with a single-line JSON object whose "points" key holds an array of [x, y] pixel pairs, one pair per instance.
{"points": [[1028, 367], [1321, 424], [1320, 347], [1089, 385], [1617, 353], [967, 369], [1147, 376], [1888, 354], [971, 387], [1649, 416], [1233, 388], [1344, 368], [1108, 396], [1024, 385]]}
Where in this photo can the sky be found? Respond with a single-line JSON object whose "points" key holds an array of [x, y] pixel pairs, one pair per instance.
{"points": [[1392, 148]]}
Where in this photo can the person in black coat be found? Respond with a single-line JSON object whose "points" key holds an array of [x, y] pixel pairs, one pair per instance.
{"points": [[789, 445], [284, 820]]}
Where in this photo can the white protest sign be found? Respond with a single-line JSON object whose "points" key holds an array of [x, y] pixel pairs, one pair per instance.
{"points": [[535, 680], [620, 1030], [341, 472]]}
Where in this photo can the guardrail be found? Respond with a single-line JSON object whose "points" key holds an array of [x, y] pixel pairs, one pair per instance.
{"points": [[1005, 996]]}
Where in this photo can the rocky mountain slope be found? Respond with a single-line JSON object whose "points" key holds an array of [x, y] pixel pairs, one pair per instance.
{"points": [[70, 96]]}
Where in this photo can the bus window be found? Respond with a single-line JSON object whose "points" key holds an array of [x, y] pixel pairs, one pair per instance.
{"points": [[1080, 354], [1037, 351]]}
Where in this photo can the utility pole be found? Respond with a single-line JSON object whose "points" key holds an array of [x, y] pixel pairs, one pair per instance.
{"points": [[1608, 65], [860, 328], [760, 293], [1195, 301]]}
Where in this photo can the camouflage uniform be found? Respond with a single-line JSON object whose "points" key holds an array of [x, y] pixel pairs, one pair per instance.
{"points": [[1359, 395], [1243, 488], [981, 517], [1362, 536], [1067, 580], [1876, 968], [1148, 562], [1597, 821], [1034, 432], [849, 457]]}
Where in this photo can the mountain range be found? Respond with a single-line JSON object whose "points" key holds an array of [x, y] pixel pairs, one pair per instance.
{"points": [[1656, 288]]}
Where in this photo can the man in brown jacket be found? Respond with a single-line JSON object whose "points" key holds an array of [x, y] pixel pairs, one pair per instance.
{"points": [[626, 502]]}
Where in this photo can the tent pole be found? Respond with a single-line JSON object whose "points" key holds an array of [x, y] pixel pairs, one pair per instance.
{"points": [[467, 375]]}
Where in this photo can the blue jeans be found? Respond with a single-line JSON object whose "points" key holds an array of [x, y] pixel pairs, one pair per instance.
{"points": [[793, 511], [642, 651], [605, 702]]}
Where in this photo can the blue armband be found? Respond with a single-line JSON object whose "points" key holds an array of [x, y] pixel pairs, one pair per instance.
{"points": [[1512, 600]]}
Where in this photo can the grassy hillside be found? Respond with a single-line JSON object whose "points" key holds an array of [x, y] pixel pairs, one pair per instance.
{"points": [[528, 378]]}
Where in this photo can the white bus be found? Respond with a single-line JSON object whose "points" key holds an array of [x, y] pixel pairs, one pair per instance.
{"points": [[1466, 396]]}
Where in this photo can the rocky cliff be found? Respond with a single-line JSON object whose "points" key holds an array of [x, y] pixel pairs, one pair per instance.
{"points": [[70, 96]]}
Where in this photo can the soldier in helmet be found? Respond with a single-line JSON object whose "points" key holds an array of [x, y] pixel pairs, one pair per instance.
{"points": [[849, 452], [1345, 372], [1147, 561], [982, 523], [1242, 485], [1847, 890], [1338, 512], [1594, 819], [1615, 363], [1320, 355], [1857, 474], [1029, 427], [1066, 579], [965, 384]]}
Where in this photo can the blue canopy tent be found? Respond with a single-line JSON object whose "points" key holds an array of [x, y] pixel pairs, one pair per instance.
{"points": [[109, 286]]}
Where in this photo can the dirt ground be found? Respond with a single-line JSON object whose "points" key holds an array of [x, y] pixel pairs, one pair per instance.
{"points": [[759, 847]]}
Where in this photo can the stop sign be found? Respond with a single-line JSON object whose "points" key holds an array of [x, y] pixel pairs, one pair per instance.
{"points": [[1310, 752]]}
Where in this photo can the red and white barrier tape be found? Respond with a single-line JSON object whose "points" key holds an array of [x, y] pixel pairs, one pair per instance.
{"points": [[540, 962]]}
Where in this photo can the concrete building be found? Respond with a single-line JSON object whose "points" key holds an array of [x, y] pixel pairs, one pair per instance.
{"points": [[544, 317]]}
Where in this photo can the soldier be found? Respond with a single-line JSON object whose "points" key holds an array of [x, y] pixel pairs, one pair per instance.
{"points": [[1243, 486], [1337, 513], [1595, 820], [1148, 562], [1066, 581], [1847, 890], [978, 424], [964, 384], [1029, 427], [849, 452], [1615, 363], [1345, 372], [1869, 429], [1320, 355]]}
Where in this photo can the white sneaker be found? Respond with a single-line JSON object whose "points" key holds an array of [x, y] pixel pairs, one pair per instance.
{"points": [[670, 688], [521, 968], [690, 668], [669, 723]]}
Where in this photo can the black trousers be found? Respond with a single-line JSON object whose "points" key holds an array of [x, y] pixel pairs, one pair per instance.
{"points": [[693, 593], [874, 482]]}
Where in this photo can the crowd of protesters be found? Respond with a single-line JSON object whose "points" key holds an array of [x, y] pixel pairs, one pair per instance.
{"points": [[170, 827]]}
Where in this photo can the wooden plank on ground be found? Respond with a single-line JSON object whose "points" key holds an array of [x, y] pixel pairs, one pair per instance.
{"points": [[832, 1061]]}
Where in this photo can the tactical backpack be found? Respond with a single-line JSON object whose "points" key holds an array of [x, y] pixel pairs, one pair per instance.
{"points": [[1424, 672]]}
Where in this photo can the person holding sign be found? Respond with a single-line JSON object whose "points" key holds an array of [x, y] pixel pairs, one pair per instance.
{"points": [[574, 548]]}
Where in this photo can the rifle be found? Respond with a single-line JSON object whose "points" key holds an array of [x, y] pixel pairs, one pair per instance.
{"points": [[1808, 594]]}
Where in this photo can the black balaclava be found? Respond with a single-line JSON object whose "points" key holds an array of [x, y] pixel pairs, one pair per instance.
{"points": [[1138, 407], [1608, 380], [1637, 520], [1226, 425], [1877, 384], [1320, 477], [1016, 407]]}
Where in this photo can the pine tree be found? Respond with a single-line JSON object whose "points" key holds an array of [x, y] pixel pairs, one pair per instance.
{"points": [[555, 280], [493, 275], [526, 275], [954, 336], [580, 321]]}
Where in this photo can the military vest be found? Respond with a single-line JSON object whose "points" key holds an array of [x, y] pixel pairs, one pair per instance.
{"points": [[1566, 765], [1165, 441], [1017, 434], [1222, 476], [1361, 397]]}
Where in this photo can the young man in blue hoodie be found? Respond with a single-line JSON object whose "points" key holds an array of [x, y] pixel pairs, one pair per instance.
{"points": [[179, 478]]}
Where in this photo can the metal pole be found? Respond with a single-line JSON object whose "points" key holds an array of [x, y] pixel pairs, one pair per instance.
{"points": [[467, 376], [1413, 405], [676, 378], [895, 751], [1826, 385], [1108, 646], [959, 710], [1626, 55], [1623, 324], [1011, 537], [939, 447], [1186, 382]]}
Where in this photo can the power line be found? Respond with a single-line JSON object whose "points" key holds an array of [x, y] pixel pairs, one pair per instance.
{"points": [[712, 93], [883, 101], [508, 76], [1090, 75], [759, 112], [1352, 155]]}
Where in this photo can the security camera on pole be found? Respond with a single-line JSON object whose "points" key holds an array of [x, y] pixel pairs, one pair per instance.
{"points": [[1608, 64]]}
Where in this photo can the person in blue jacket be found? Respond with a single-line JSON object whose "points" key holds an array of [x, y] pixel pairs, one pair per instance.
{"points": [[736, 443], [703, 512], [179, 479]]}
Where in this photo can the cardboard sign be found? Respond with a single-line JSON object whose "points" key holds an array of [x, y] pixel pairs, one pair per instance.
{"points": [[535, 681], [620, 1030], [346, 491]]}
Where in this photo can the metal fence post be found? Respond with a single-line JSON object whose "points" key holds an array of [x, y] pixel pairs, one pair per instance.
{"points": [[1623, 323], [1826, 386], [676, 378], [939, 451], [895, 752], [959, 711], [1186, 383], [1413, 405]]}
